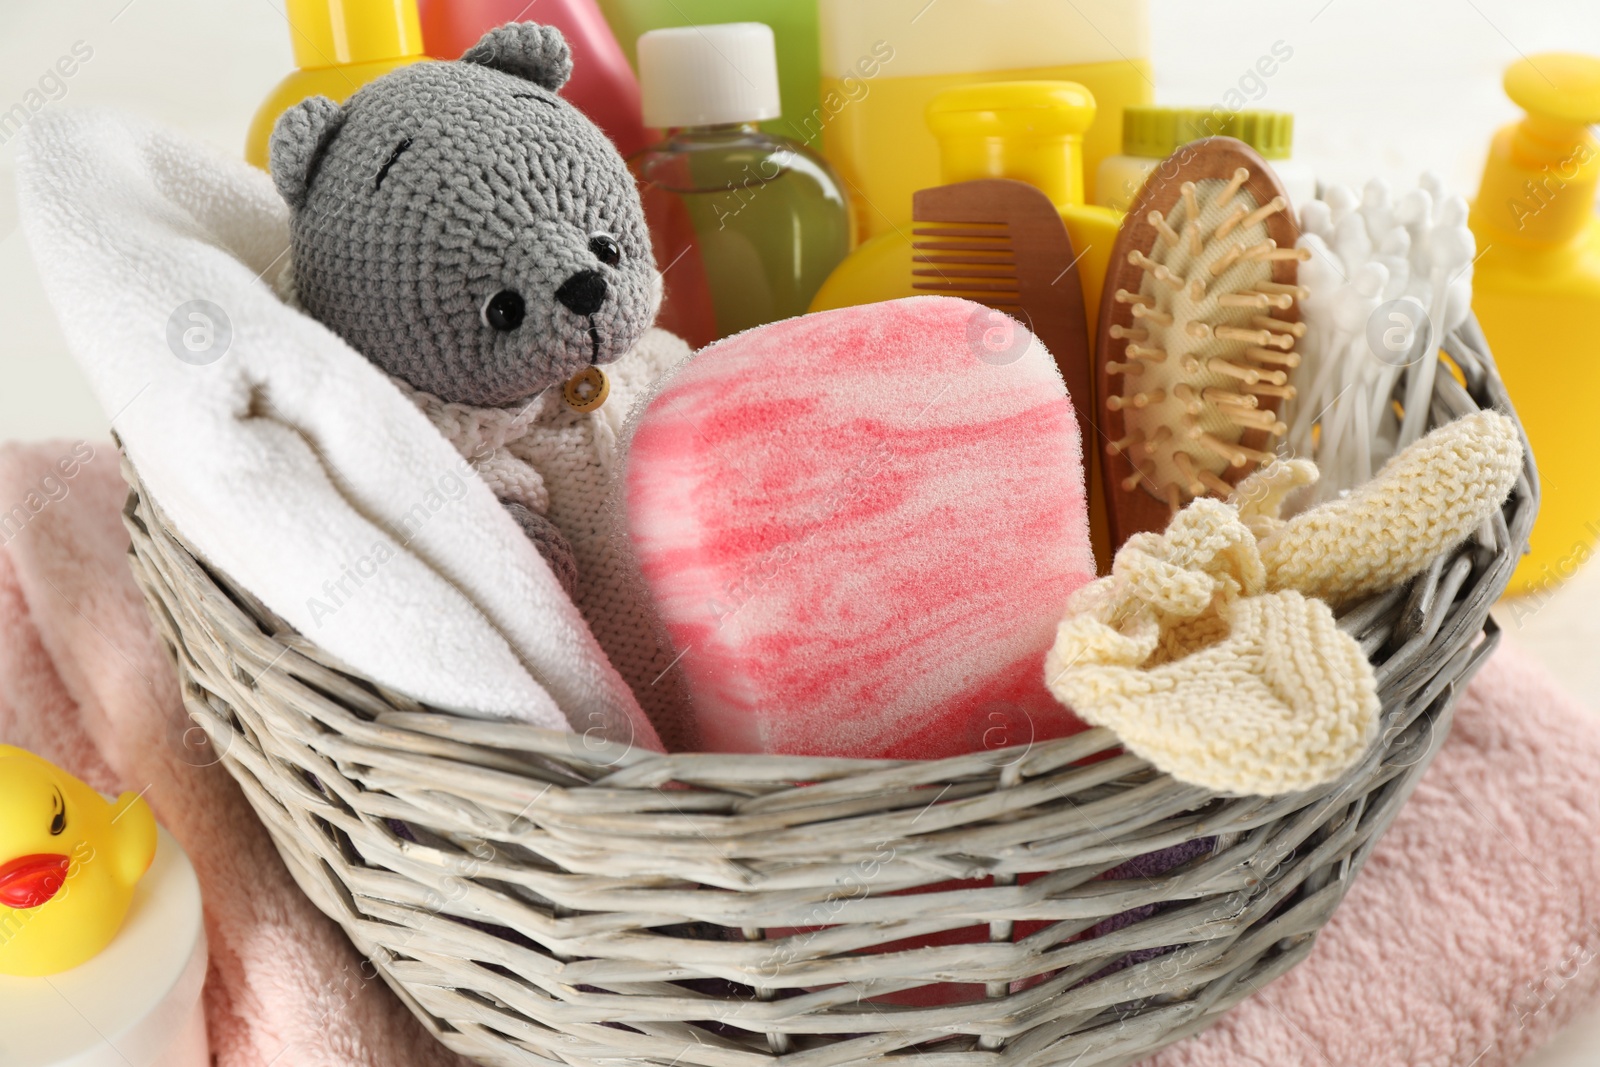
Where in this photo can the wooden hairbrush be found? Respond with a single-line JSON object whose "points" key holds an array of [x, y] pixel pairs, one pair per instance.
{"points": [[1197, 330], [1002, 243]]}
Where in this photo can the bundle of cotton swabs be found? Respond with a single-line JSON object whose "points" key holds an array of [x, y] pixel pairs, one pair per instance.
{"points": [[1388, 279]]}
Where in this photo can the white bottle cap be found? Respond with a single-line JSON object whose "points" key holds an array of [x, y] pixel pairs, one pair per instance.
{"points": [[709, 75]]}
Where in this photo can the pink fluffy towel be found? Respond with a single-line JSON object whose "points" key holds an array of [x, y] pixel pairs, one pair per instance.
{"points": [[1468, 939], [85, 682], [1470, 936]]}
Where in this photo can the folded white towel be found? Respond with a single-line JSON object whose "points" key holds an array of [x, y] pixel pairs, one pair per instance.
{"points": [[288, 461]]}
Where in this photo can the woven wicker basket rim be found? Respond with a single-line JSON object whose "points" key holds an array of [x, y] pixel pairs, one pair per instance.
{"points": [[538, 897]]}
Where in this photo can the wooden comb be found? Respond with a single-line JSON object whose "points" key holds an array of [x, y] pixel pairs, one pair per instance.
{"points": [[1197, 327], [1002, 243]]}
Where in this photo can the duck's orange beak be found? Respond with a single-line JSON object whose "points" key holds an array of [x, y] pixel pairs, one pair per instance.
{"points": [[32, 881]]}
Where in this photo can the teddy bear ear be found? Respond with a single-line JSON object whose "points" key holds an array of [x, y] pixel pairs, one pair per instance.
{"points": [[527, 50], [297, 142]]}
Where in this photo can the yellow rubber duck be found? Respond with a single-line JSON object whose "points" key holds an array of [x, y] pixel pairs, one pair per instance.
{"points": [[69, 862]]}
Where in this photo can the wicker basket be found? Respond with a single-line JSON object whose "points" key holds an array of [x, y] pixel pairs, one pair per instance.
{"points": [[541, 898]]}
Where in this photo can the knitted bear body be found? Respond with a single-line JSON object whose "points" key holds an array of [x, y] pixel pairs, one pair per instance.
{"points": [[558, 464], [481, 241]]}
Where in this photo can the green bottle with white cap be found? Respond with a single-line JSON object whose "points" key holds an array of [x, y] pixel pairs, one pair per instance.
{"points": [[746, 225]]}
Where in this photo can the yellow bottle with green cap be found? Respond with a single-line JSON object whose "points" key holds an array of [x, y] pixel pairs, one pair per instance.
{"points": [[1027, 131], [339, 46], [1536, 292], [1150, 134]]}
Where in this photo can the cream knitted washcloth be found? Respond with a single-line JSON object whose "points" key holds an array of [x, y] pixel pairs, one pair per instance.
{"points": [[559, 464], [1424, 501], [1203, 650]]}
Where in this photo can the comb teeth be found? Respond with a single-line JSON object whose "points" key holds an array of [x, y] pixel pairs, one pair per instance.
{"points": [[1197, 358], [973, 260]]}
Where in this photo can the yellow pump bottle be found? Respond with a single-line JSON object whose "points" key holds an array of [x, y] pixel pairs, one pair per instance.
{"points": [[1536, 292], [339, 46], [1027, 131]]}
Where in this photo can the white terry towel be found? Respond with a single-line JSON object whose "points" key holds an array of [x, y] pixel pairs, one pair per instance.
{"points": [[289, 462]]}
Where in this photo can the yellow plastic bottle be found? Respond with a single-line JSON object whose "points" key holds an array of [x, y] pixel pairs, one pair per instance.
{"points": [[884, 60], [339, 46], [1029, 131], [1536, 292]]}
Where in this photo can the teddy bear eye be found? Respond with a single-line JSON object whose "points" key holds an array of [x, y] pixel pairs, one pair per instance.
{"points": [[504, 311], [606, 249]]}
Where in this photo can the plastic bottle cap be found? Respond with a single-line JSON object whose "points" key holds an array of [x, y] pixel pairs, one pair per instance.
{"points": [[1031, 131], [1156, 132], [1540, 178], [1564, 86], [1270, 133], [1000, 109], [709, 75], [332, 34]]}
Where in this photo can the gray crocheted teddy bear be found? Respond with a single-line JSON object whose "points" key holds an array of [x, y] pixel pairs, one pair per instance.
{"points": [[469, 232]]}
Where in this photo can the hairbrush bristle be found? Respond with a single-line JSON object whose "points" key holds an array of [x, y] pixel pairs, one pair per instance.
{"points": [[1197, 376]]}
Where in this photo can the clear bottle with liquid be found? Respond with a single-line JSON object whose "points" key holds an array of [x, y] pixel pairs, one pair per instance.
{"points": [[746, 225]]}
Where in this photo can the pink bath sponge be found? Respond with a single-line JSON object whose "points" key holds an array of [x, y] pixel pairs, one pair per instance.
{"points": [[860, 529]]}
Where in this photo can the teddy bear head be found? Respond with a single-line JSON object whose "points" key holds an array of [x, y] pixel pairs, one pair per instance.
{"points": [[463, 227]]}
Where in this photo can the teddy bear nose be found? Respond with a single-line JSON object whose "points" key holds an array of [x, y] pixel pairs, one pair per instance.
{"points": [[584, 292]]}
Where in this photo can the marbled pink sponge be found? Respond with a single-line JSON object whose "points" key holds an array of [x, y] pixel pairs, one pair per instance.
{"points": [[861, 529]]}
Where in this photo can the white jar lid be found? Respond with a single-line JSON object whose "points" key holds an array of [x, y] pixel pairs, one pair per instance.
{"points": [[709, 75], [129, 1004]]}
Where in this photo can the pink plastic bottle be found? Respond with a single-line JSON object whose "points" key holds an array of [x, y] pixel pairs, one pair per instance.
{"points": [[603, 85]]}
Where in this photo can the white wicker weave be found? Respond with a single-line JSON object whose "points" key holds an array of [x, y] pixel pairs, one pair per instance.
{"points": [[537, 898]]}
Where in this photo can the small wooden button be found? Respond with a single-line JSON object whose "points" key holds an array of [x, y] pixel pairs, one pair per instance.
{"points": [[586, 390]]}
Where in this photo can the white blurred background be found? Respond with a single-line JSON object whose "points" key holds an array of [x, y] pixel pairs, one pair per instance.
{"points": [[1378, 88]]}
